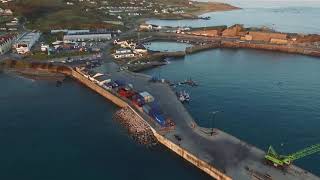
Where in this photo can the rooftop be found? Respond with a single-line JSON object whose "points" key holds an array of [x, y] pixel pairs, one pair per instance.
{"points": [[6, 37]]}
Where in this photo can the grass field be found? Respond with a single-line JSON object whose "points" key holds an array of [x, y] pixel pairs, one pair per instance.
{"points": [[45, 15], [44, 56]]}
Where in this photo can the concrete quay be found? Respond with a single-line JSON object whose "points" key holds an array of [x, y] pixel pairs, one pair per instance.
{"points": [[220, 155]]}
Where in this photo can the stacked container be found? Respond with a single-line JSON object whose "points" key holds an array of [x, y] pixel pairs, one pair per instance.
{"points": [[148, 98]]}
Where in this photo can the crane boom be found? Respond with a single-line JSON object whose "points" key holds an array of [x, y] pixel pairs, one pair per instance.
{"points": [[305, 152], [285, 160]]}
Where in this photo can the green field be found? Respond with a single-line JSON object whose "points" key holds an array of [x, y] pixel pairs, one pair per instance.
{"points": [[45, 15], [44, 56]]}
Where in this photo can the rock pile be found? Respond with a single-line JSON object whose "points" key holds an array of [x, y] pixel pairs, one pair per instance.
{"points": [[137, 128]]}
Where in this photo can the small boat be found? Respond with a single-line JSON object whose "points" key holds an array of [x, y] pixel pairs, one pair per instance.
{"points": [[206, 18], [190, 82], [183, 96], [186, 96]]}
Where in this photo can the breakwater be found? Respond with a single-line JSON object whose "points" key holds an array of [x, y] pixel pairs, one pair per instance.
{"points": [[199, 48], [169, 54], [110, 96], [272, 47], [252, 45], [193, 159], [205, 166], [137, 128]]}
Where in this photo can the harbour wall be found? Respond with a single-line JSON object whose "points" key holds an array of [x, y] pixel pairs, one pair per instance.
{"points": [[170, 54], [272, 47], [113, 98], [206, 167], [198, 48], [262, 46]]}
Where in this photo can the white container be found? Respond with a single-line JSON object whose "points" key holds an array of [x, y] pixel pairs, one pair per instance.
{"points": [[147, 97]]}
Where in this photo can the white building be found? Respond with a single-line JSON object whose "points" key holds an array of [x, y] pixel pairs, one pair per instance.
{"points": [[125, 44], [6, 42], [120, 56], [25, 42], [87, 37], [140, 49], [145, 27], [44, 47], [123, 51]]}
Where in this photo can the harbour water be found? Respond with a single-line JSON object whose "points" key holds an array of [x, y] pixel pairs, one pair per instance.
{"points": [[167, 46], [67, 132], [264, 98], [284, 16]]}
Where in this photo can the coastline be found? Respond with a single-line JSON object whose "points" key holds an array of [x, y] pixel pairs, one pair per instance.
{"points": [[200, 9], [207, 7]]}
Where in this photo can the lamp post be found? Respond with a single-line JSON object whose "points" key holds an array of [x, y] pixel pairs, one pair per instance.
{"points": [[214, 113]]}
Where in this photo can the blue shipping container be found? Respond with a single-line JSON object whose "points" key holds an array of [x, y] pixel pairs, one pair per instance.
{"points": [[156, 107], [158, 117], [120, 82], [146, 109]]}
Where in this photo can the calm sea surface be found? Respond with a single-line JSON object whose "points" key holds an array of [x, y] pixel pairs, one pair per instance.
{"points": [[265, 98], [68, 133], [286, 16]]}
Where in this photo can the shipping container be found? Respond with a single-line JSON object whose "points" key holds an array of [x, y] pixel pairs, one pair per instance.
{"points": [[120, 82], [158, 117], [148, 98], [126, 93], [114, 84], [146, 108], [138, 102], [156, 107]]}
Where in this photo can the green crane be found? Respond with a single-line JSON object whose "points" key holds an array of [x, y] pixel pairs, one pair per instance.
{"points": [[285, 160]]}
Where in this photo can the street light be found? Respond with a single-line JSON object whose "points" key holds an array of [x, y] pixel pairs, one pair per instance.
{"points": [[214, 113]]}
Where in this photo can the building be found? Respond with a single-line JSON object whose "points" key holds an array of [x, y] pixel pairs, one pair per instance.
{"points": [[26, 41], [6, 12], [278, 41], [103, 79], [266, 36], [140, 49], [87, 37], [233, 31], [123, 51], [145, 27], [78, 31], [120, 56], [118, 42], [209, 33], [6, 42], [246, 37]]}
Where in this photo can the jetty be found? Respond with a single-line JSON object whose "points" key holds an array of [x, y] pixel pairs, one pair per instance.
{"points": [[221, 155]]}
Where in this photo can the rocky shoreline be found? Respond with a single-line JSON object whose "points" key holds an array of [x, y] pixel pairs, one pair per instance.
{"points": [[137, 128]]}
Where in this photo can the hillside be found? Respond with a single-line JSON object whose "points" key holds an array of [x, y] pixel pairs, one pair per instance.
{"points": [[60, 14]]}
